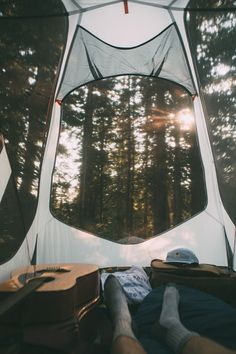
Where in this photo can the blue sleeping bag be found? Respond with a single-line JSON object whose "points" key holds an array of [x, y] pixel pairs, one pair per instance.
{"points": [[199, 312]]}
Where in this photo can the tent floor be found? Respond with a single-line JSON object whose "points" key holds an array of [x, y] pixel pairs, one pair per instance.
{"points": [[94, 335], [20, 340]]}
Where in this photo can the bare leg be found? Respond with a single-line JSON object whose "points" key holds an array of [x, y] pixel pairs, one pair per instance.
{"points": [[127, 345], [201, 345], [124, 340]]}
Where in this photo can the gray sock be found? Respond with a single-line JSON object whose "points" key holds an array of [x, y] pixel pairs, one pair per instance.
{"points": [[118, 307], [176, 335]]}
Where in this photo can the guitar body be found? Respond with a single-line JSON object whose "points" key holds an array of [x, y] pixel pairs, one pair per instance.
{"points": [[69, 290]]}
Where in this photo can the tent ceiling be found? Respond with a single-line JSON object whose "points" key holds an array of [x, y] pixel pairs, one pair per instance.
{"points": [[85, 5], [81, 6], [162, 57]]}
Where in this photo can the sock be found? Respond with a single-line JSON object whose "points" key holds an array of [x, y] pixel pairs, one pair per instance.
{"points": [[171, 328], [118, 307]]}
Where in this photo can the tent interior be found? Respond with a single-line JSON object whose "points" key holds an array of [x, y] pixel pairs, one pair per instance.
{"points": [[117, 136]]}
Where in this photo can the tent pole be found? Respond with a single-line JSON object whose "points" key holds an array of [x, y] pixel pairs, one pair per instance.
{"points": [[126, 8]]}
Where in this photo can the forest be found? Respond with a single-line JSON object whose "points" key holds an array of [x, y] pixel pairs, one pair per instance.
{"points": [[128, 164]]}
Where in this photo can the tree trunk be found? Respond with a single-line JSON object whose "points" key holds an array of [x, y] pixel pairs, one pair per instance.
{"points": [[85, 173]]}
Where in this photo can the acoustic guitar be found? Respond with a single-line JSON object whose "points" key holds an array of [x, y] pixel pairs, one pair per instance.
{"points": [[59, 292]]}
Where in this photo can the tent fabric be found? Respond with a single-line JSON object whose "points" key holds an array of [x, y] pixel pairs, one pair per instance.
{"points": [[179, 5], [91, 59], [85, 59], [5, 171], [60, 242], [174, 5], [84, 5]]}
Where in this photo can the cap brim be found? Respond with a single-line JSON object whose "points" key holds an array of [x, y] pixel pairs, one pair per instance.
{"points": [[160, 264], [181, 262]]}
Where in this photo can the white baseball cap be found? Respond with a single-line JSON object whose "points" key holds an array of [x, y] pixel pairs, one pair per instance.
{"points": [[181, 255]]}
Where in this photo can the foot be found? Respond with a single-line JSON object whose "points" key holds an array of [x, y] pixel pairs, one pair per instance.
{"points": [[170, 314], [117, 304], [169, 328]]}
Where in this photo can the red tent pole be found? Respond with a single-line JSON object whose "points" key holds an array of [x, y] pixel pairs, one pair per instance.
{"points": [[126, 6]]}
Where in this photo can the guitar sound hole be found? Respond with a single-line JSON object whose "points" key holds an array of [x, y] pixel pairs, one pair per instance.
{"points": [[54, 270]]}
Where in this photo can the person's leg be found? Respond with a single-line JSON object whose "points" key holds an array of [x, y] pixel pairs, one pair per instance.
{"points": [[124, 340], [179, 338], [169, 326], [127, 345], [202, 345]]}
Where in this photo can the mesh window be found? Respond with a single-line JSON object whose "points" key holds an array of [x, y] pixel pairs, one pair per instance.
{"points": [[30, 49], [212, 36], [128, 165]]}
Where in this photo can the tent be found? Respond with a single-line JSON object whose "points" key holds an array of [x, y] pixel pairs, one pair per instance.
{"points": [[113, 40]]}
